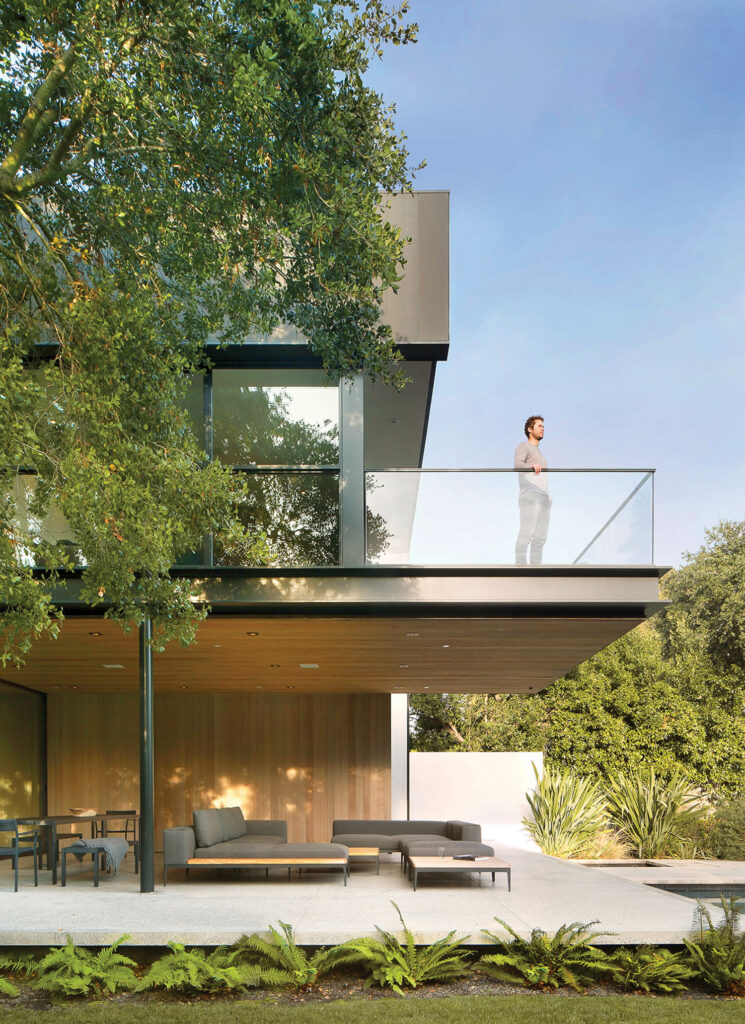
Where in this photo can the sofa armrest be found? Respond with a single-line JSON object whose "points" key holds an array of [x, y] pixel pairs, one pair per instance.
{"points": [[464, 831], [179, 845], [267, 827]]}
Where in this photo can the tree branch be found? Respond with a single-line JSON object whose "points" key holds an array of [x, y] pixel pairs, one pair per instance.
{"points": [[36, 109]]}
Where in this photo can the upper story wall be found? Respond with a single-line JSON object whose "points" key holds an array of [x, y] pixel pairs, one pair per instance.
{"points": [[419, 312]]}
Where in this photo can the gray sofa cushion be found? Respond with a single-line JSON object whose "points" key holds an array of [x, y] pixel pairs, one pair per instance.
{"points": [[468, 831], [208, 826], [416, 837], [266, 827], [383, 827], [446, 847], [233, 824], [240, 848], [311, 850], [386, 843]]}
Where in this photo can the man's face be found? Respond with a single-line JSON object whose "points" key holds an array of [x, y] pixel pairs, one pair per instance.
{"points": [[536, 430]]}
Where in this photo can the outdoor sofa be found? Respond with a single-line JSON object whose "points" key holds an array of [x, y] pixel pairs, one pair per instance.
{"points": [[409, 838], [222, 837]]}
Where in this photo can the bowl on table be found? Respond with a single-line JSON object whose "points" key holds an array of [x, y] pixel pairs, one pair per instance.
{"points": [[83, 812]]}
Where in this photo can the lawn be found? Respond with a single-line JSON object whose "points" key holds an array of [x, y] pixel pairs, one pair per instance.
{"points": [[527, 1009]]}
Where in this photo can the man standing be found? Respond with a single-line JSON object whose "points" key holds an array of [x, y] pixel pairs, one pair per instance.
{"points": [[535, 504]]}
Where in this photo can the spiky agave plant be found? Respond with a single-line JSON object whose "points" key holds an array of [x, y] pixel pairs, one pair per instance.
{"points": [[568, 812], [391, 963], [547, 961], [648, 811]]}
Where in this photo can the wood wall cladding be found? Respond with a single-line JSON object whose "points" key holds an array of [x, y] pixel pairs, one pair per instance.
{"points": [[307, 758], [20, 754]]}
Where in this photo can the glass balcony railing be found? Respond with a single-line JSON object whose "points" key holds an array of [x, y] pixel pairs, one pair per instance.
{"points": [[474, 516], [447, 517]]}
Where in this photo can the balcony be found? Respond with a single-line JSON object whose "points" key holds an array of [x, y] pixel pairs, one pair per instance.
{"points": [[423, 518], [469, 517]]}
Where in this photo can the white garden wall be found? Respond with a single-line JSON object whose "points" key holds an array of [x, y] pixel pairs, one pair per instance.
{"points": [[487, 788]]}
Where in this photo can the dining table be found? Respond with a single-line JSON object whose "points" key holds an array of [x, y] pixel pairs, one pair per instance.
{"points": [[51, 821]]}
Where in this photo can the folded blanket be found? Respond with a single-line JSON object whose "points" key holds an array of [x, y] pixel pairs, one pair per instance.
{"points": [[114, 848]]}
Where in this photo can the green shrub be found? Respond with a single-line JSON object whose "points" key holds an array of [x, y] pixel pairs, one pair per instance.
{"points": [[279, 960], [547, 961], [649, 812], [651, 969], [727, 839], [717, 954], [70, 970], [393, 964], [194, 970], [568, 813]]}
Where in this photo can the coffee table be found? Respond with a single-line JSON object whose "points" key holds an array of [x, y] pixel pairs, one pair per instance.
{"points": [[418, 865], [358, 852]]}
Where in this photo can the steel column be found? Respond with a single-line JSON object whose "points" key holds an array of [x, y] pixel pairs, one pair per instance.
{"points": [[147, 762], [352, 471]]}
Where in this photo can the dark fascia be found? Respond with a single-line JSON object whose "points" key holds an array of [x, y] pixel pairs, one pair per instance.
{"points": [[284, 355]]}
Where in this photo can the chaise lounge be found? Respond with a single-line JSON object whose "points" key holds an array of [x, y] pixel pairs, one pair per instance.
{"points": [[222, 838]]}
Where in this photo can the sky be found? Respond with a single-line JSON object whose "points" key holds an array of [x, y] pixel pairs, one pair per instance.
{"points": [[594, 151]]}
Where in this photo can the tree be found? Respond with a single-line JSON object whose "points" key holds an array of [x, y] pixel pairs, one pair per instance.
{"points": [[171, 173], [706, 618]]}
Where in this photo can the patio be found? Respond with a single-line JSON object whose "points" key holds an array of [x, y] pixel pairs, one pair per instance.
{"points": [[215, 908]]}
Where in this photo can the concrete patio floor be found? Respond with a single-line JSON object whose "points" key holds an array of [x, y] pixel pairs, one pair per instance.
{"points": [[218, 907]]}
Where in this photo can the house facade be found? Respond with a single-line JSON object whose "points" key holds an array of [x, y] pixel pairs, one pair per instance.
{"points": [[388, 579]]}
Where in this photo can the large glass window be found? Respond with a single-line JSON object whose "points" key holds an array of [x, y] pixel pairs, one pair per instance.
{"points": [[275, 418]]}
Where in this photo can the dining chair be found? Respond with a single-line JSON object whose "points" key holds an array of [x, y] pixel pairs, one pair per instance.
{"points": [[20, 846]]}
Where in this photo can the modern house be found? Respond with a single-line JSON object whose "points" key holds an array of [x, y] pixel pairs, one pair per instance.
{"points": [[389, 580]]}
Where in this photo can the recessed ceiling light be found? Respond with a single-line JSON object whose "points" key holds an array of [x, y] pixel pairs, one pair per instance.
{"points": [[425, 687], [252, 632], [112, 666], [274, 666], [76, 687], [183, 687], [93, 632], [446, 645], [290, 687], [412, 634], [398, 687], [308, 664], [403, 666]]}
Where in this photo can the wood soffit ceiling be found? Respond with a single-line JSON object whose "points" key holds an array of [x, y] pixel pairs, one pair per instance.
{"points": [[353, 655]]}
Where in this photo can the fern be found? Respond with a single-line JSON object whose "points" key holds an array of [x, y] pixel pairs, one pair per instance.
{"points": [[718, 957], [547, 961], [23, 964], [194, 970], [280, 958], [651, 969], [7, 988], [70, 970], [393, 964]]}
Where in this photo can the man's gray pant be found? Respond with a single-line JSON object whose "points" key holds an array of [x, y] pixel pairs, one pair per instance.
{"points": [[535, 509]]}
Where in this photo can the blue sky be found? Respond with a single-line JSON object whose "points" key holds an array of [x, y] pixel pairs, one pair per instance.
{"points": [[595, 155]]}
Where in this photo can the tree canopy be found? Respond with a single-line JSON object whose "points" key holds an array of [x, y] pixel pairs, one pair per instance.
{"points": [[171, 173]]}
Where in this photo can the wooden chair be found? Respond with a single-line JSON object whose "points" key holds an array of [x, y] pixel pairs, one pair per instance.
{"points": [[20, 846]]}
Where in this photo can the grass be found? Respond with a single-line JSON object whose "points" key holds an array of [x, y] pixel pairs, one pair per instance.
{"points": [[535, 1009]]}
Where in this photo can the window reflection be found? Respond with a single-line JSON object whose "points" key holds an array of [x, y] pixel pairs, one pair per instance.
{"points": [[270, 418], [299, 512]]}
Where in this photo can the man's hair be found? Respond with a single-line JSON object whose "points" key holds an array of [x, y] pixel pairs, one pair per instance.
{"points": [[529, 423]]}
